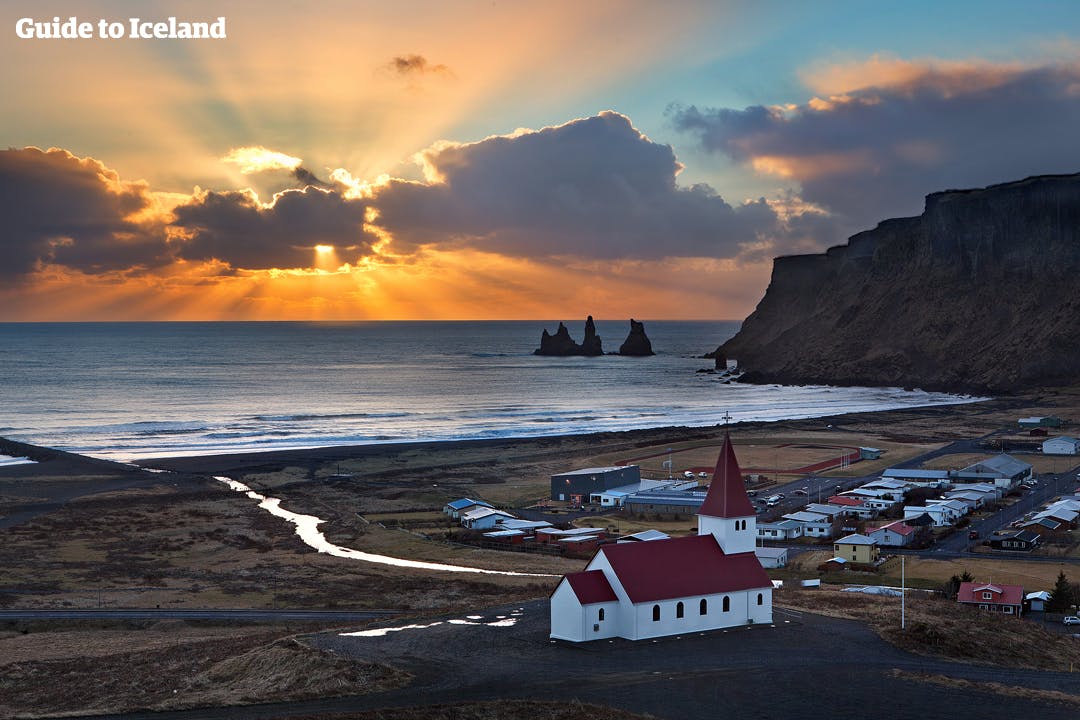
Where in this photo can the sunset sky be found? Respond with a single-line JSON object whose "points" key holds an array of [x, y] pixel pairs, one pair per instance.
{"points": [[499, 160]]}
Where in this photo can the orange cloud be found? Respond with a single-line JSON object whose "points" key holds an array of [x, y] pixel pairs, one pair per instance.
{"points": [[948, 77]]}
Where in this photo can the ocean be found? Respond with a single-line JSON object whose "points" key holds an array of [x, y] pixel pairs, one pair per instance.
{"points": [[138, 390]]}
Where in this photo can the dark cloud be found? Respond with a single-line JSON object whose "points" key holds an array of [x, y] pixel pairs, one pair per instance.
{"points": [[306, 178], [235, 228], [58, 208], [594, 187], [875, 152], [413, 65]]}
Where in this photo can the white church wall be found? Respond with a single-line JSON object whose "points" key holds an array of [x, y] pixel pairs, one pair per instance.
{"points": [[567, 616]]}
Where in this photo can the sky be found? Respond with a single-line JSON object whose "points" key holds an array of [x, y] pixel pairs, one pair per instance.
{"points": [[498, 160]]}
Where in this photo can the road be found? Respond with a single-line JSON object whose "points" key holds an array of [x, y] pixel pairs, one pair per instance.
{"points": [[207, 614], [771, 671]]}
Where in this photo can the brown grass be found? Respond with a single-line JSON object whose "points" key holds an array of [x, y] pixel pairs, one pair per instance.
{"points": [[942, 628], [258, 667], [1025, 693]]}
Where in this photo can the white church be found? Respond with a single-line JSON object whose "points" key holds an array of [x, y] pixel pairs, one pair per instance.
{"points": [[666, 587]]}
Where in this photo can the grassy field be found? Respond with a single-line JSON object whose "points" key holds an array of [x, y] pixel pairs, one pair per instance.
{"points": [[930, 573], [943, 628]]}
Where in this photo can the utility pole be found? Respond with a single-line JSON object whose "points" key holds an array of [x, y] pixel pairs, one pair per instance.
{"points": [[903, 593]]}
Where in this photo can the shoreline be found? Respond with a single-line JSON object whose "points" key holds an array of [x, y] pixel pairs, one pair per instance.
{"points": [[51, 460]]}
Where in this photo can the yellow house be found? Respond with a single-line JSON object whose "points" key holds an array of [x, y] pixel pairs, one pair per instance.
{"points": [[857, 549]]}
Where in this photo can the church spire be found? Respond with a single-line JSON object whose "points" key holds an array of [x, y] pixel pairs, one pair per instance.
{"points": [[727, 494]]}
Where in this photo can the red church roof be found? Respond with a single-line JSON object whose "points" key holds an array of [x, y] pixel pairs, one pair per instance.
{"points": [[727, 493], [682, 567], [591, 587]]}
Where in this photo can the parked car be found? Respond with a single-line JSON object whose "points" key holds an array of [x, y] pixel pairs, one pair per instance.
{"points": [[689, 475], [1071, 620], [703, 474], [973, 534], [800, 492]]}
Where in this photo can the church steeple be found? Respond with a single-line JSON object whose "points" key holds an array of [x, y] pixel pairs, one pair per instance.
{"points": [[727, 512]]}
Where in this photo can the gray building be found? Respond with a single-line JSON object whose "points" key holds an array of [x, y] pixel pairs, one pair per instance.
{"points": [[674, 502], [579, 485]]}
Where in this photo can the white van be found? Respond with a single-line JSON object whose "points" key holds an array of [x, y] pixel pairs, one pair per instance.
{"points": [[773, 500]]}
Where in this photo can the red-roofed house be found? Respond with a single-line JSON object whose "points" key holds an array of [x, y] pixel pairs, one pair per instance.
{"points": [[1005, 599], [690, 584], [897, 534]]}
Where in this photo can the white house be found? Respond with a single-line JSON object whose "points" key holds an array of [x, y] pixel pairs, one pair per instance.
{"points": [[813, 524], [1061, 446], [780, 530], [455, 508], [974, 500], [772, 557], [650, 589], [941, 515], [483, 518]]}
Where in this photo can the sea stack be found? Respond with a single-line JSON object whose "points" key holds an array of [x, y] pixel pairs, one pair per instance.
{"points": [[591, 344], [562, 345], [637, 343]]}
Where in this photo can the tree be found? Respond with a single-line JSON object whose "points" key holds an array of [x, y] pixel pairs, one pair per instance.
{"points": [[1061, 597]]}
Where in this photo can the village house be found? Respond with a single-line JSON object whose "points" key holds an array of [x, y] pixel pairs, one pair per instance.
{"points": [[1021, 540], [858, 549], [1044, 526], [771, 557], [941, 515], [483, 518], [1005, 599], [1065, 511], [853, 506], [780, 530], [898, 534], [813, 524], [641, 590], [455, 508]]}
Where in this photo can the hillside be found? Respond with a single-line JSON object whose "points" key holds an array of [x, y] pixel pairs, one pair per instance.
{"points": [[980, 293]]}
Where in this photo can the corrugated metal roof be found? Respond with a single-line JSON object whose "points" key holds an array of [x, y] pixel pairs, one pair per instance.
{"points": [[591, 586], [1005, 465], [972, 592], [682, 567], [856, 539]]}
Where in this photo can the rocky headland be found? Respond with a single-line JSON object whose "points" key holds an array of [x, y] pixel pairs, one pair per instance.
{"points": [[980, 293]]}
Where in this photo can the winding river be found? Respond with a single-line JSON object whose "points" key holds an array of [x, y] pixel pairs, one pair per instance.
{"points": [[307, 528]]}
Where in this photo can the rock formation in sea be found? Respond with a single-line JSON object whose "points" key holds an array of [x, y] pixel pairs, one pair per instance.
{"points": [[980, 293], [561, 344], [637, 342], [591, 344]]}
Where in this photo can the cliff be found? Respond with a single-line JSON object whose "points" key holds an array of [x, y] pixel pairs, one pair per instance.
{"points": [[980, 293]]}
